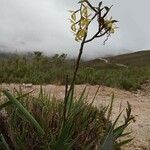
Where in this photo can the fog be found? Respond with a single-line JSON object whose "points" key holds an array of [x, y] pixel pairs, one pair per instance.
{"points": [[29, 25]]}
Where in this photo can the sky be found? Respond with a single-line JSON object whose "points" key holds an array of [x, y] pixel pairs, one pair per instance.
{"points": [[29, 25]]}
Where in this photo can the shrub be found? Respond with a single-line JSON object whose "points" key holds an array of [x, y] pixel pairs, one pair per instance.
{"points": [[77, 125]]}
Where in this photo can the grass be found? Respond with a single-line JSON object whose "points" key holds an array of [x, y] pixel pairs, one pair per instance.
{"points": [[44, 70], [82, 126], [124, 78]]}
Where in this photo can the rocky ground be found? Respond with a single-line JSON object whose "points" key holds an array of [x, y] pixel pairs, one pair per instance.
{"points": [[140, 101]]}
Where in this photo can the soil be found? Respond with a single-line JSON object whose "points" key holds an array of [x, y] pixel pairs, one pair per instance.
{"points": [[139, 100]]}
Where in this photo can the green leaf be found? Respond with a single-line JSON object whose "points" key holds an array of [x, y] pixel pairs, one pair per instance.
{"points": [[4, 142], [109, 142], [5, 105], [22, 109], [118, 145], [119, 131], [111, 107]]}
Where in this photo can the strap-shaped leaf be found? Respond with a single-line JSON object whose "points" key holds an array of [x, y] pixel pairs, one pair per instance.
{"points": [[24, 111], [4, 142]]}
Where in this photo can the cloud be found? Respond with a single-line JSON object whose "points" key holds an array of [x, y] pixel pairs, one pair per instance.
{"points": [[44, 25]]}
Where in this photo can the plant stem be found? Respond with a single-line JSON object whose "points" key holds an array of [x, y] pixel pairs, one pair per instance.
{"points": [[68, 92], [77, 65]]}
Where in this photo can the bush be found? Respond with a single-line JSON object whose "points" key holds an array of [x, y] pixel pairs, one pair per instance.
{"points": [[82, 126], [128, 84], [48, 73]]}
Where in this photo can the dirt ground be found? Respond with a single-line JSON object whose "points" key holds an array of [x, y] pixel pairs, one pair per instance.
{"points": [[139, 100]]}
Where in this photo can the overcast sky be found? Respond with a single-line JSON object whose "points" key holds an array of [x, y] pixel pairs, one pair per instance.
{"points": [[43, 25]]}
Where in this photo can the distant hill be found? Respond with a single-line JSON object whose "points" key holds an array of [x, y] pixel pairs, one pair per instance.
{"points": [[140, 58], [4, 55]]}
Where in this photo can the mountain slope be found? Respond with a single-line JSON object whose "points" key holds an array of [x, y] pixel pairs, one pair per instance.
{"points": [[140, 58]]}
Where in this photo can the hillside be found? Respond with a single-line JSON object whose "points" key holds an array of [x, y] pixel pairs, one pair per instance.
{"points": [[6, 55], [139, 58]]}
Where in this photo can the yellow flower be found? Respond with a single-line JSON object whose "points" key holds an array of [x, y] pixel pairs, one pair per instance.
{"points": [[110, 25]]}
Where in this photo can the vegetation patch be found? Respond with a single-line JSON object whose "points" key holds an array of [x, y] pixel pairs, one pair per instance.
{"points": [[44, 70], [77, 125]]}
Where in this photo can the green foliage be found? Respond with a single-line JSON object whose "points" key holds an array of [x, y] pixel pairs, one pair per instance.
{"points": [[25, 113], [115, 133], [84, 126], [53, 70]]}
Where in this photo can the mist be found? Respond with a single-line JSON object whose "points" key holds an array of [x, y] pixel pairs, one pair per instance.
{"points": [[29, 25]]}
